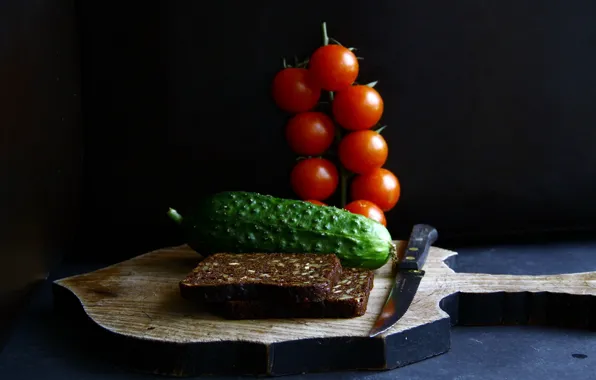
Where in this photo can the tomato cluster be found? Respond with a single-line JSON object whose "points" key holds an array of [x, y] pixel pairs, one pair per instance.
{"points": [[355, 113]]}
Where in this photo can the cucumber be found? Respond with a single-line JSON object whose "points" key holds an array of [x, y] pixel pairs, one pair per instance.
{"points": [[245, 222]]}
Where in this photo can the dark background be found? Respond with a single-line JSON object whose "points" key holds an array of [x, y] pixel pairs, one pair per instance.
{"points": [[490, 107], [41, 145]]}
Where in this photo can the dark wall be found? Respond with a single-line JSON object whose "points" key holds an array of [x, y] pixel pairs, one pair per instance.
{"points": [[40, 143], [490, 107]]}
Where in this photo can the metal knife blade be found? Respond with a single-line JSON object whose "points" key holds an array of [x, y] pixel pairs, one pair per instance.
{"points": [[407, 279]]}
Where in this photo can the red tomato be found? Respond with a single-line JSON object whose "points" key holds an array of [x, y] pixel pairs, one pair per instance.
{"points": [[358, 107], [310, 133], [379, 186], [314, 178], [318, 203], [363, 151], [334, 67], [368, 209], [294, 90]]}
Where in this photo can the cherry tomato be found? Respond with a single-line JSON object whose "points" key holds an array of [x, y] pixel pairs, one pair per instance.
{"points": [[318, 203], [334, 67], [294, 90], [358, 107], [368, 209], [310, 133], [363, 151], [314, 178], [379, 186]]}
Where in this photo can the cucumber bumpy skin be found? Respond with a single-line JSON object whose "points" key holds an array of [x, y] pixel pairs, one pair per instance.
{"points": [[245, 222]]}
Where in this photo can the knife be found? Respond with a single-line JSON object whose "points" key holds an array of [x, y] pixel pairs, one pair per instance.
{"points": [[408, 277]]}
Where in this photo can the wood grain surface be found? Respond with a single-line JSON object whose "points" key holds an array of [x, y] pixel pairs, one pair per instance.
{"points": [[138, 301]]}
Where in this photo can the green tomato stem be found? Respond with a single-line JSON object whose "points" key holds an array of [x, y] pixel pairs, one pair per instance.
{"points": [[325, 36], [343, 183]]}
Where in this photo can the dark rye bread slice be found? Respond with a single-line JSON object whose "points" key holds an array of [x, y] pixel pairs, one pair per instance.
{"points": [[347, 299], [280, 277]]}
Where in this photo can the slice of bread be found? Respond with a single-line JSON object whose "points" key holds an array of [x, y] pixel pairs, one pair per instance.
{"points": [[276, 277], [347, 299]]}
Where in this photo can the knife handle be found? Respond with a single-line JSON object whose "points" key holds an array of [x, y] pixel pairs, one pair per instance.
{"points": [[422, 238]]}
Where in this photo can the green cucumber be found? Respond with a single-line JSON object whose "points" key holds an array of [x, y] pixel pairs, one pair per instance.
{"points": [[241, 222]]}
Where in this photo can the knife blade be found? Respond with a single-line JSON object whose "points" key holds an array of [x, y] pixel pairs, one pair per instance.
{"points": [[408, 277]]}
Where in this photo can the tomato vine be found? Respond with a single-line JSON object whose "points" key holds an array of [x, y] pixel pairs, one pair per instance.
{"points": [[338, 137], [343, 173]]}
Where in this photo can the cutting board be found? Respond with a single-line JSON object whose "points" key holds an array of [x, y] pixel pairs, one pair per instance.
{"points": [[136, 309]]}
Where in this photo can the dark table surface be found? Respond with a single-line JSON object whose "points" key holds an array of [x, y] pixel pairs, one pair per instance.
{"points": [[42, 346]]}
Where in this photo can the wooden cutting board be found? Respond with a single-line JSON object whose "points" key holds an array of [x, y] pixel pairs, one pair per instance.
{"points": [[136, 307]]}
